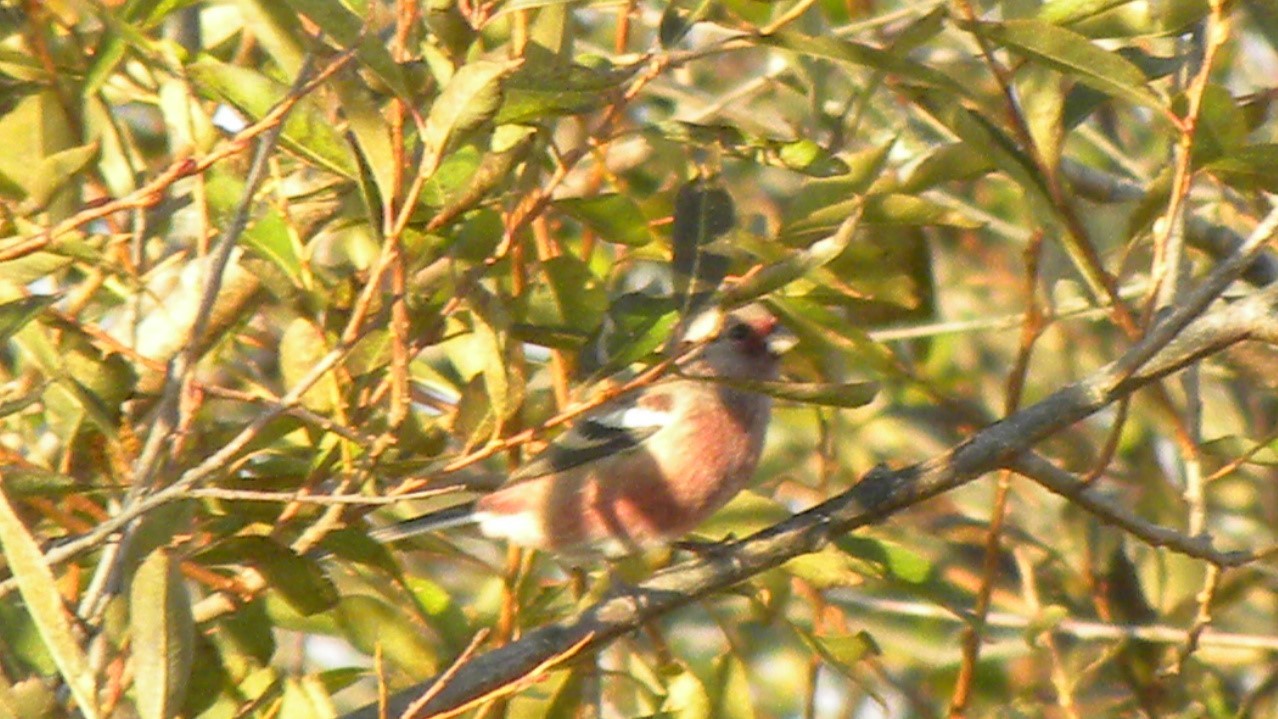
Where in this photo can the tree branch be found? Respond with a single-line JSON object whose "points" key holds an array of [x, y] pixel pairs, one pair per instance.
{"points": [[880, 494]]}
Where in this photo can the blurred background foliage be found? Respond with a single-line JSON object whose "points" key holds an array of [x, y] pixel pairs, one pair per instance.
{"points": [[463, 215]]}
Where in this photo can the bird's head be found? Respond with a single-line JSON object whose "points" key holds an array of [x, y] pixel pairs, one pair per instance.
{"points": [[746, 343]]}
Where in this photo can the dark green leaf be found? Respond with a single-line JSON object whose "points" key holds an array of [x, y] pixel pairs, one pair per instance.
{"points": [[613, 217], [704, 211], [539, 91], [297, 579], [1249, 167]]}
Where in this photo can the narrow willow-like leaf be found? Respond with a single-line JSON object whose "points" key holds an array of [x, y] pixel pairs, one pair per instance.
{"points": [[337, 19], [614, 217], [163, 630], [1076, 56], [843, 651], [306, 131], [471, 98], [798, 264], [704, 211], [40, 594], [846, 52], [16, 314], [299, 580]]}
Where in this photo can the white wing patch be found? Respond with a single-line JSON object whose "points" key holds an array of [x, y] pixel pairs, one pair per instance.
{"points": [[634, 418], [522, 528]]}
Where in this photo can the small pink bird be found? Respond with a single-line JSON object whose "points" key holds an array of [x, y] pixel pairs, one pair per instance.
{"points": [[647, 467]]}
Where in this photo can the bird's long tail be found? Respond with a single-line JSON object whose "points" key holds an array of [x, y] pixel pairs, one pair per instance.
{"points": [[457, 516]]}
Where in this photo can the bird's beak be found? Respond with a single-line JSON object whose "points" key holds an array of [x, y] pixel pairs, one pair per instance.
{"points": [[781, 340]]}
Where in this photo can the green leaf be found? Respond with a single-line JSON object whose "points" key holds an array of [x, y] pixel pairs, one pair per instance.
{"points": [[1222, 125], [34, 481], [307, 132], [40, 594], [370, 130], [731, 697], [825, 394], [899, 209], [163, 630], [572, 297], [249, 631], [842, 652], [1046, 620], [298, 580], [470, 99], [636, 325], [803, 155], [350, 30], [955, 162], [1264, 15], [798, 264], [300, 348], [371, 353], [887, 558], [56, 170], [686, 698], [370, 625], [1075, 56], [745, 514], [1064, 12], [676, 22], [613, 217], [17, 313], [271, 238], [1143, 19], [704, 212], [541, 90], [845, 52], [26, 699], [1249, 167]]}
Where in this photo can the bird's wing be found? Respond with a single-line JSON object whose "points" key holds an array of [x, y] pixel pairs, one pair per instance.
{"points": [[618, 427]]}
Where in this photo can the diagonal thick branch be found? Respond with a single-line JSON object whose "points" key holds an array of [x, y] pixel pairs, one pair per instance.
{"points": [[1176, 342]]}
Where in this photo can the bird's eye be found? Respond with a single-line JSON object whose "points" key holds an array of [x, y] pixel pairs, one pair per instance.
{"points": [[739, 332]]}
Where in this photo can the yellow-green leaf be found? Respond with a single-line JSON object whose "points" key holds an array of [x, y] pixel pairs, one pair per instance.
{"points": [[39, 592], [163, 636]]}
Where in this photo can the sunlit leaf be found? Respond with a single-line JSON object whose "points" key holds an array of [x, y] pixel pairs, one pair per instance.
{"points": [[16, 313], [1076, 56], [470, 99], [614, 217], [306, 131], [338, 20], [163, 636], [40, 594]]}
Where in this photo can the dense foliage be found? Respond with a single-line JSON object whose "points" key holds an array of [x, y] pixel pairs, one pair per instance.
{"points": [[265, 264]]}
